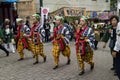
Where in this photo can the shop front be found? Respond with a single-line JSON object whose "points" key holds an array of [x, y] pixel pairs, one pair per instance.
{"points": [[8, 10]]}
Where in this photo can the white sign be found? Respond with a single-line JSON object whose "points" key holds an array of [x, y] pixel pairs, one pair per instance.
{"points": [[44, 13]]}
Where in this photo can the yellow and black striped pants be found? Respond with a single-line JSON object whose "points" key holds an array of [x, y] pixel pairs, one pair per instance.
{"points": [[20, 48], [88, 57], [38, 50], [56, 52]]}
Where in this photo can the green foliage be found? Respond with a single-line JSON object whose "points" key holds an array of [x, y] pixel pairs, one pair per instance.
{"points": [[113, 4], [72, 18]]}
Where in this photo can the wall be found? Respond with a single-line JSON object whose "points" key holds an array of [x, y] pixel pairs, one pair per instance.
{"points": [[26, 8], [98, 5]]}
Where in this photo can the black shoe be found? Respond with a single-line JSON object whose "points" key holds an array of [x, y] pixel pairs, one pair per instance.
{"points": [[112, 68], [35, 62], [95, 48], [92, 66], [81, 73], [55, 67], [68, 62], [7, 54], [45, 59], [20, 59], [115, 74]]}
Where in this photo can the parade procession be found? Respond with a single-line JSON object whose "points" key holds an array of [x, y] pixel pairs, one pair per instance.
{"points": [[59, 40]]}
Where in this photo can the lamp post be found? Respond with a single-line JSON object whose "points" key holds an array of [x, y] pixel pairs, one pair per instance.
{"points": [[41, 5], [118, 8]]}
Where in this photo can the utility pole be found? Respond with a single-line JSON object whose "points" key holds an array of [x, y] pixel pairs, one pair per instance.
{"points": [[118, 8], [41, 5]]}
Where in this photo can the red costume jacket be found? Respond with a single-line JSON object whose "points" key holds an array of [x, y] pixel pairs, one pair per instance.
{"points": [[35, 34], [80, 43], [20, 36], [58, 37]]}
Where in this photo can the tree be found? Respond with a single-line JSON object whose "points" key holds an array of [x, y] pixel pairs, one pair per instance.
{"points": [[113, 5]]}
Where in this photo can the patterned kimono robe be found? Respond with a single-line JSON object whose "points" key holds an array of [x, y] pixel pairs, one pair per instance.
{"points": [[37, 35], [84, 52], [61, 43]]}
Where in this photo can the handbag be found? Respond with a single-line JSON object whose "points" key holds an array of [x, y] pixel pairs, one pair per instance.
{"points": [[111, 44]]}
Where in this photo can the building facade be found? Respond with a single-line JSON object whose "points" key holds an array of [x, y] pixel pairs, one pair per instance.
{"points": [[26, 8], [7, 10], [90, 5], [29, 7]]}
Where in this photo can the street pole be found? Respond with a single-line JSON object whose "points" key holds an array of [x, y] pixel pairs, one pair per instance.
{"points": [[118, 8], [41, 5]]}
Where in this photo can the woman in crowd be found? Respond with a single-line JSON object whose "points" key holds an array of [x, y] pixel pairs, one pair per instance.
{"points": [[116, 51], [111, 34], [8, 39]]}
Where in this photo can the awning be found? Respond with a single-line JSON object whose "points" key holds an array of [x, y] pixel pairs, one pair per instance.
{"points": [[94, 14], [8, 0], [103, 16]]}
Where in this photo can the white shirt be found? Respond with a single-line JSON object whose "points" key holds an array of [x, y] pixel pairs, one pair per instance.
{"points": [[117, 44], [7, 31]]}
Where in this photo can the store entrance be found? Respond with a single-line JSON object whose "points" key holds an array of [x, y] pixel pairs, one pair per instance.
{"points": [[7, 11]]}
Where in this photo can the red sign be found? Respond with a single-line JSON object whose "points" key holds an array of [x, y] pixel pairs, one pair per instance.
{"points": [[45, 11]]}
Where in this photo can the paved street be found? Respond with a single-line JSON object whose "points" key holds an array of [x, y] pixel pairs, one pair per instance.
{"points": [[11, 69]]}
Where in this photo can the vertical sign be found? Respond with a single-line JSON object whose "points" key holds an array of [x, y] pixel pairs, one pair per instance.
{"points": [[44, 14]]}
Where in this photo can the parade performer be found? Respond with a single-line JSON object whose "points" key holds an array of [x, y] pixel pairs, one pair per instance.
{"points": [[60, 41], [37, 34], [84, 45], [22, 44]]}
